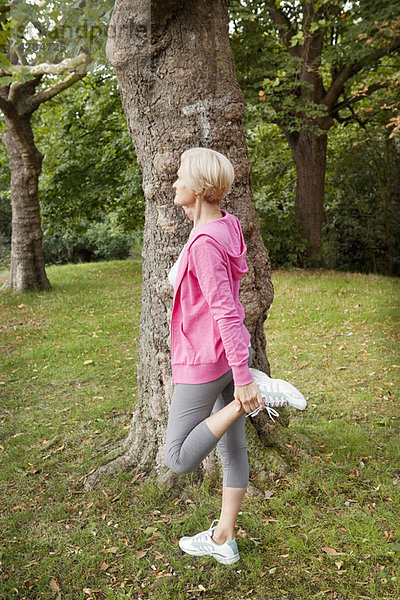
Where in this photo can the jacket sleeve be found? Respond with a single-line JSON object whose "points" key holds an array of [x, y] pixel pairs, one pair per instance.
{"points": [[211, 271]]}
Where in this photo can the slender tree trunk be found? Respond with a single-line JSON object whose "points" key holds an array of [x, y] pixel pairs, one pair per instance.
{"points": [[309, 151], [27, 269], [387, 179], [178, 87]]}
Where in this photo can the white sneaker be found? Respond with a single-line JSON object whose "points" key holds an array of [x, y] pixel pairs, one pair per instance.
{"points": [[275, 393], [202, 544]]}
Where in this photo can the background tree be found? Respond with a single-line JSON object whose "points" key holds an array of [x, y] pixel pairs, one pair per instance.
{"points": [[92, 170], [19, 99], [361, 225], [178, 86], [90, 191], [362, 207], [274, 185], [90, 188], [311, 62]]}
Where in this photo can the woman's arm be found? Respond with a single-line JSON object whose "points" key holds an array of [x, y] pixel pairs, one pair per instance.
{"points": [[211, 271], [212, 275]]}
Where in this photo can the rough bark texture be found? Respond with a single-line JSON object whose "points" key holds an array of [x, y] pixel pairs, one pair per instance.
{"points": [[309, 151], [178, 87], [18, 101], [27, 269]]}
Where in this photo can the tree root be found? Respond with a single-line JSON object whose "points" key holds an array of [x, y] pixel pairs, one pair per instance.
{"points": [[274, 449], [121, 463]]}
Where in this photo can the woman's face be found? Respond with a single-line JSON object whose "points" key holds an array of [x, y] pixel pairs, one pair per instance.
{"points": [[184, 196]]}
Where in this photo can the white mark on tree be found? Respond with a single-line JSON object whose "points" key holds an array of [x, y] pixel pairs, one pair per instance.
{"points": [[201, 107]]}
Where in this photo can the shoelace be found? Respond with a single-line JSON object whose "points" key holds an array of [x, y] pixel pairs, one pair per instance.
{"points": [[204, 535], [271, 411]]}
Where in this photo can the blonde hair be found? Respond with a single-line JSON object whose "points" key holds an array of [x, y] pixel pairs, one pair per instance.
{"points": [[208, 173]]}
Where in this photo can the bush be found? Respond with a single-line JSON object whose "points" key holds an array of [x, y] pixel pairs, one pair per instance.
{"points": [[362, 201], [99, 242], [274, 188]]}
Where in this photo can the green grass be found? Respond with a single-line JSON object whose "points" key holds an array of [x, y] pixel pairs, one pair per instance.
{"points": [[334, 335]]}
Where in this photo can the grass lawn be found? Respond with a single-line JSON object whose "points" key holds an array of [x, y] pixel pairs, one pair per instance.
{"points": [[329, 529]]}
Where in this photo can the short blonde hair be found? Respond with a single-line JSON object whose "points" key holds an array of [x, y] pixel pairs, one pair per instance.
{"points": [[208, 173]]}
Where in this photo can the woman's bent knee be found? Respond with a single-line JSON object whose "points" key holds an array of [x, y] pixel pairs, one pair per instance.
{"points": [[175, 465]]}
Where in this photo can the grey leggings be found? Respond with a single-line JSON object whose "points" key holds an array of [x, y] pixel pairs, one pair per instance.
{"points": [[189, 439]]}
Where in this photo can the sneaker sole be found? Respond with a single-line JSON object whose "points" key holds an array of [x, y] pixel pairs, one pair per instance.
{"points": [[272, 389], [219, 558], [291, 394]]}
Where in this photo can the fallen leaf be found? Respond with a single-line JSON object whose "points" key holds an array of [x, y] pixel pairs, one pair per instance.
{"points": [[141, 553], [112, 550], [153, 538], [150, 530], [54, 585], [331, 551], [269, 520]]}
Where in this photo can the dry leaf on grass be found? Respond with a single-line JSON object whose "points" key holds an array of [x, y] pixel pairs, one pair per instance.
{"points": [[331, 551], [54, 585]]}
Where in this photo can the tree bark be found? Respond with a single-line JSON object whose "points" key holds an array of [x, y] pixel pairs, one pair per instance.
{"points": [[18, 102], [309, 151], [178, 86], [27, 268]]}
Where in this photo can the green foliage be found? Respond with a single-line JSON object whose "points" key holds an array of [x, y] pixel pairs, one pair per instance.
{"points": [[362, 225], [39, 32], [361, 230], [289, 56], [100, 241], [90, 166], [5, 208], [274, 189], [289, 53], [90, 180]]}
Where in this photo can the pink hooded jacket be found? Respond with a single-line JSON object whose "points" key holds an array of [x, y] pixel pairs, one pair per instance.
{"points": [[207, 333]]}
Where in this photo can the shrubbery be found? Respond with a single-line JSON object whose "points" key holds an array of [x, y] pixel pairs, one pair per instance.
{"points": [[361, 228], [98, 242]]}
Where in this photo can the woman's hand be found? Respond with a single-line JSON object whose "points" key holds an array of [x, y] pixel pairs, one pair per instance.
{"points": [[248, 397]]}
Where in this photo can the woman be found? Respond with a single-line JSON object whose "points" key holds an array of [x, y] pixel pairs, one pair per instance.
{"points": [[210, 346]]}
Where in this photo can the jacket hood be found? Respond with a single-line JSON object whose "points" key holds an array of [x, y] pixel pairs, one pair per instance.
{"points": [[227, 232]]}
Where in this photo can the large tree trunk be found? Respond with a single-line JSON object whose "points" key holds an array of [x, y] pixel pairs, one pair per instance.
{"points": [[27, 269], [179, 90], [309, 152]]}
